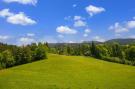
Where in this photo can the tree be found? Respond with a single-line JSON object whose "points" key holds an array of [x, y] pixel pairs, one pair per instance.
{"points": [[18, 55], [117, 51], [68, 50], [130, 53], [102, 50], [94, 51], [2, 64], [39, 53], [85, 50], [8, 58], [11, 55], [33, 46], [1, 58], [23, 55], [26, 55]]}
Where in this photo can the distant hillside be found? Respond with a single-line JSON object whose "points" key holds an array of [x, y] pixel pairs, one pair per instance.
{"points": [[96, 42], [122, 41]]}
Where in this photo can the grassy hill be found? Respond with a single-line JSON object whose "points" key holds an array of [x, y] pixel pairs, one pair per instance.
{"points": [[68, 72]]}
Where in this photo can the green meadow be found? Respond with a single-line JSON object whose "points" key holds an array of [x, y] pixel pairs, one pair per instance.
{"points": [[68, 72]]}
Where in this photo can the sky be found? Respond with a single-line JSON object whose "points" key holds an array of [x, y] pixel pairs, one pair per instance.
{"points": [[28, 21]]}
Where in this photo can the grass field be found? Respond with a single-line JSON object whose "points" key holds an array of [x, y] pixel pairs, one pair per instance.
{"points": [[68, 72]]}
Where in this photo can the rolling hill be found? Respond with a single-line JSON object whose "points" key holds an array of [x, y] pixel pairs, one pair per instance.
{"points": [[122, 41], [68, 72]]}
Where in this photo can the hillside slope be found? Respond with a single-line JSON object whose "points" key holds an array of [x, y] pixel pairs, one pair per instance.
{"points": [[68, 72], [122, 41]]}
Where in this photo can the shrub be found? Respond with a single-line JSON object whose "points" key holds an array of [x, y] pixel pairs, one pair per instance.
{"points": [[112, 59]]}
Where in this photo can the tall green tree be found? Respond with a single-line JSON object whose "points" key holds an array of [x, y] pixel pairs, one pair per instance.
{"points": [[26, 55], [39, 53], [2, 64], [8, 58], [95, 51], [117, 51]]}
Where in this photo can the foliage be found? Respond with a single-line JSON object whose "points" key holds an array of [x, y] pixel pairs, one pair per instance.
{"points": [[8, 58], [39, 53], [114, 52], [131, 53], [11, 55]]}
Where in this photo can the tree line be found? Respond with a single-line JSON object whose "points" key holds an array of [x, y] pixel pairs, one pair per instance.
{"points": [[11, 55], [114, 52]]}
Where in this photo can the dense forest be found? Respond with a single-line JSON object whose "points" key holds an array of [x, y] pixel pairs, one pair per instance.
{"points": [[113, 52], [11, 55]]}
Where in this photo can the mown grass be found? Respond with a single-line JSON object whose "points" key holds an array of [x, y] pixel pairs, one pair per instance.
{"points": [[68, 72]]}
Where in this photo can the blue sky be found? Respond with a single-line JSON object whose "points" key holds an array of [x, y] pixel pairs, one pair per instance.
{"points": [[26, 21]]}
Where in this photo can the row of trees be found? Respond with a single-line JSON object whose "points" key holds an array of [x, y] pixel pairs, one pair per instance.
{"points": [[13, 55], [124, 54]]}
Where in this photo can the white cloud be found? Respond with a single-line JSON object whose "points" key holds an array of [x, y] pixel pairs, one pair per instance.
{"points": [[65, 30], [5, 13], [117, 28], [78, 18], [4, 37], [82, 41], [25, 2], [92, 10], [98, 38], [120, 28], [20, 19], [25, 41], [71, 42], [131, 24], [30, 34], [85, 35], [87, 30], [80, 23]]}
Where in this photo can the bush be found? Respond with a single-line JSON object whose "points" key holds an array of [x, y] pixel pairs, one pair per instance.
{"points": [[129, 62], [112, 59], [2, 65]]}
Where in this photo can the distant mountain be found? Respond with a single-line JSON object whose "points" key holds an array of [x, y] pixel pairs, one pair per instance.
{"points": [[122, 41], [96, 42]]}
